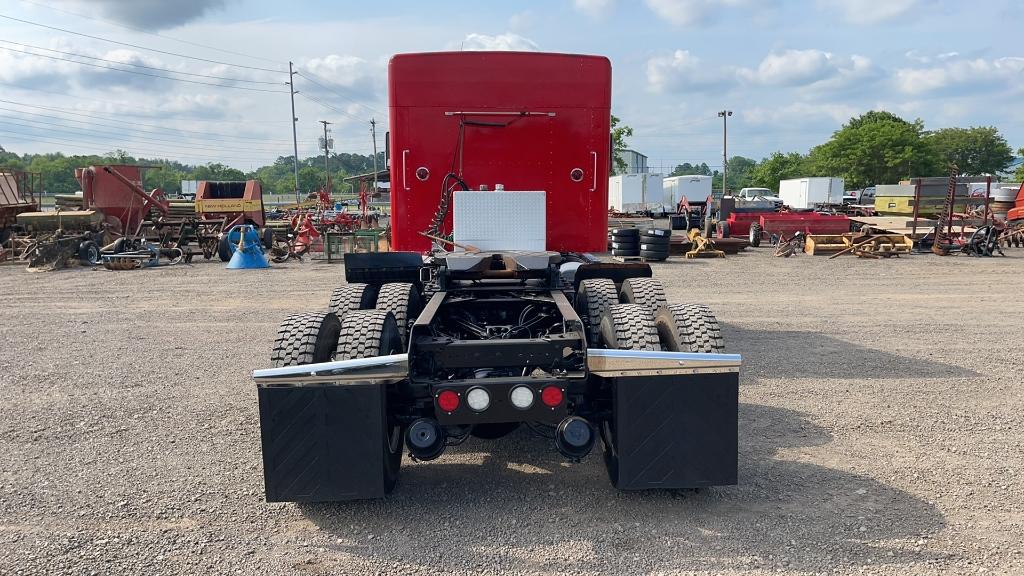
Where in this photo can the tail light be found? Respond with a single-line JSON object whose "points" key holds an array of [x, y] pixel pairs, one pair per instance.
{"points": [[522, 397], [448, 401], [552, 396], [478, 399]]}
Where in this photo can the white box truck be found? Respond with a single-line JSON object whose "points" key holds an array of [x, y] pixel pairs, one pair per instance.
{"points": [[637, 193], [809, 193], [695, 188]]}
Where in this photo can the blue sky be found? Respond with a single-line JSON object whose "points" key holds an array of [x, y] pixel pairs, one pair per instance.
{"points": [[792, 71]]}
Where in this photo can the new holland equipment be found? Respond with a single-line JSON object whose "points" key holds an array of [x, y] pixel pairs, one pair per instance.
{"points": [[504, 159]]}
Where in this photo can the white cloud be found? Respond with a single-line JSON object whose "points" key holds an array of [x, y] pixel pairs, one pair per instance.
{"points": [[688, 12], [151, 14], [962, 73], [871, 11], [683, 71], [800, 113], [347, 71], [506, 41], [814, 68], [594, 8]]}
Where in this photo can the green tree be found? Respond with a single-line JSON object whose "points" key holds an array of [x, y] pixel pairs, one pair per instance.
{"points": [[687, 169], [739, 171], [975, 151], [875, 148], [619, 135], [779, 166], [1018, 175]]}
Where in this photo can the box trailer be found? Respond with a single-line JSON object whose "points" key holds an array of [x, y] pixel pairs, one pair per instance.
{"points": [[637, 193], [421, 349], [809, 193], [695, 188]]}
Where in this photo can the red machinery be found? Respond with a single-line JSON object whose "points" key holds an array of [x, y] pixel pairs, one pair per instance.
{"points": [[500, 130], [1016, 214], [116, 192], [17, 194], [784, 223]]}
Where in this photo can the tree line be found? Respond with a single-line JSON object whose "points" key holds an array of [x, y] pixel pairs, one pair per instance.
{"points": [[58, 171], [875, 148]]}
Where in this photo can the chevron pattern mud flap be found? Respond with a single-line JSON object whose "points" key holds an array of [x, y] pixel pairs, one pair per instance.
{"points": [[673, 431], [323, 442]]}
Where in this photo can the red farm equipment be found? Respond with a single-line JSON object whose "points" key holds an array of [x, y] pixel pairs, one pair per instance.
{"points": [[756, 225], [18, 194], [426, 347]]}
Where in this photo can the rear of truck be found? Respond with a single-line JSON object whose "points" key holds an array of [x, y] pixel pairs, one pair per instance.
{"points": [[423, 348]]}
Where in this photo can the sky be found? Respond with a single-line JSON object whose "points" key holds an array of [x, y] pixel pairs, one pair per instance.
{"points": [[209, 81]]}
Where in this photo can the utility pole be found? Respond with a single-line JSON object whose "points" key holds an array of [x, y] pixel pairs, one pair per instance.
{"points": [[373, 133], [295, 135], [724, 115], [327, 145]]}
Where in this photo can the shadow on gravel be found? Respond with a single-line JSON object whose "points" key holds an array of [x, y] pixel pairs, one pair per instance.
{"points": [[826, 357], [522, 508]]}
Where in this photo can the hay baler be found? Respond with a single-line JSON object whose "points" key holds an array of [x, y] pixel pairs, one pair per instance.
{"points": [[425, 347]]}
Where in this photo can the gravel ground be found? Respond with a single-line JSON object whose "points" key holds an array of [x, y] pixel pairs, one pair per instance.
{"points": [[880, 432]]}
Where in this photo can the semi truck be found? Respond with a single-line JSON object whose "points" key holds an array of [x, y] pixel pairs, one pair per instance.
{"points": [[422, 348]]}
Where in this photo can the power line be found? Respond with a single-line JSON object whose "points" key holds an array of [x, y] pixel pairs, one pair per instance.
{"points": [[343, 97], [140, 65], [145, 137], [141, 73], [141, 31], [136, 46], [134, 124], [90, 132], [328, 106], [31, 138], [132, 106]]}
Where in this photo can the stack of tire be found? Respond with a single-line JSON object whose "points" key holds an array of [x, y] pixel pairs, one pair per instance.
{"points": [[654, 244], [625, 242]]}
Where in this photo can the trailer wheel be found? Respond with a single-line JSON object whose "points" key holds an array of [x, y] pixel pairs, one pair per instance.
{"points": [[593, 298], [89, 253], [352, 297], [268, 238], [368, 334], [755, 234], [722, 229], [647, 292], [629, 327], [690, 328], [306, 338], [224, 249], [404, 302]]}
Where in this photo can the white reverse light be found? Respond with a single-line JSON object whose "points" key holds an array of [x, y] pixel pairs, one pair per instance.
{"points": [[478, 399], [522, 397]]}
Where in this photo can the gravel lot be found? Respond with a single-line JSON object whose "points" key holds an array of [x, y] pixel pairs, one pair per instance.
{"points": [[880, 432]]}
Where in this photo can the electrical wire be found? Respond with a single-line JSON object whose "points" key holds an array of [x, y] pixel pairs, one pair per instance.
{"points": [[329, 106], [32, 138], [331, 90], [141, 31], [134, 125], [160, 141], [135, 45], [143, 73], [129, 107], [140, 65]]}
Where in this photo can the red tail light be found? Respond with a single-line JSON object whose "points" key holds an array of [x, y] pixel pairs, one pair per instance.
{"points": [[552, 396], [448, 401]]}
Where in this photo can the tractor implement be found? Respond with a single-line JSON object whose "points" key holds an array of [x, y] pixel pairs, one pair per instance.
{"points": [[422, 348]]}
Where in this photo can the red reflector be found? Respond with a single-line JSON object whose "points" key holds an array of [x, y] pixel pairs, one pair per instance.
{"points": [[551, 396], [448, 401]]}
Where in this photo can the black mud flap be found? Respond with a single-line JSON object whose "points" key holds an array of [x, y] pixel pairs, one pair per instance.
{"points": [[323, 443], [673, 431]]}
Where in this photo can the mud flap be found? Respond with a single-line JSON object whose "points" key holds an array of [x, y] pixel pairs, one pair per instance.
{"points": [[323, 442], [673, 431]]}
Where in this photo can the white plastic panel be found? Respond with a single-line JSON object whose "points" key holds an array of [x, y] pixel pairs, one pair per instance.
{"points": [[501, 220]]}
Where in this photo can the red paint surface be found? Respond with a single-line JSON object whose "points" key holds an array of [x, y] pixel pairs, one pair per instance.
{"points": [[527, 153]]}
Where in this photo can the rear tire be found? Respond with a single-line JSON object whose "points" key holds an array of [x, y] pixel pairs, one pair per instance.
{"points": [[722, 229], [350, 297], [306, 338], [89, 253], [224, 250], [647, 292], [594, 297], [629, 327], [404, 302], [368, 334], [690, 328], [755, 234]]}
